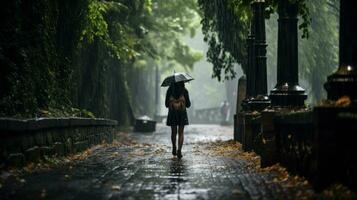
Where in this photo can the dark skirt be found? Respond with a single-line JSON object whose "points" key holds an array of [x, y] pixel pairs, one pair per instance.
{"points": [[177, 118]]}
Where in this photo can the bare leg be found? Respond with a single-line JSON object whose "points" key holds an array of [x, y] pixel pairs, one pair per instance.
{"points": [[173, 139], [180, 142]]}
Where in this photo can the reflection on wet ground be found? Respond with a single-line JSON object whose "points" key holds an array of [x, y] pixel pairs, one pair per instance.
{"points": [[176, 177], [147, 170]]}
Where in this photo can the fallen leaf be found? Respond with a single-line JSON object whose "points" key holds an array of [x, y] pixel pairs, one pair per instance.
{"points": [[116, 187], [29, 168], [237, 191], [66, 176], [343, 101]]}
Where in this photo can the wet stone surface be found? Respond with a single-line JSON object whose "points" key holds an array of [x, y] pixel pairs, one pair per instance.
{"points": [[147, 170]]}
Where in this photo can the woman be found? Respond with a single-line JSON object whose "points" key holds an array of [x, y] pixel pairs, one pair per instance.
{"points": [[177, 100]]}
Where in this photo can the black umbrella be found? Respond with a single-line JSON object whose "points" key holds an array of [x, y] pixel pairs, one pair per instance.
{"points": [[176, 77]]}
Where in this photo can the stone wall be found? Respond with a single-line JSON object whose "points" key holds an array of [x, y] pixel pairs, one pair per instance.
{"points": [[318, 144], [24, 141], [295, 142]]}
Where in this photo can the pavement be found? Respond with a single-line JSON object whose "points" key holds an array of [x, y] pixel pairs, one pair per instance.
{"points": [[145, 169]]}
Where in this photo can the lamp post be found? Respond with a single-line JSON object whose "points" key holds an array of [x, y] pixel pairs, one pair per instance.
{"points": [[260, 100], [251, 63], [287, 92], [257, 98], [344, 81]]}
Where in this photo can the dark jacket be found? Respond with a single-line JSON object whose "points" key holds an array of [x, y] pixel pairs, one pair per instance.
{"points": [[177, 118]]}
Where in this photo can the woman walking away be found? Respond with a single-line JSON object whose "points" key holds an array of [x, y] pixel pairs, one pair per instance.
{"points": [[177, 100]]}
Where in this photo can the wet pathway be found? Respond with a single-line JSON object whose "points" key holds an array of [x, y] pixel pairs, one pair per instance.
{"points": [[147, 170]]}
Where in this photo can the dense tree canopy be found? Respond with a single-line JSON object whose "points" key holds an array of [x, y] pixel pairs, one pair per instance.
{"points": [[56, 55]]}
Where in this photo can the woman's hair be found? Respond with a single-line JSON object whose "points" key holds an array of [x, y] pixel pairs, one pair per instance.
{"points": [[177, 89]]}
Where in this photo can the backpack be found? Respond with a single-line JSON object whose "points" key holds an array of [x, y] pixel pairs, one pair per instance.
{"points": [[178, 104]]}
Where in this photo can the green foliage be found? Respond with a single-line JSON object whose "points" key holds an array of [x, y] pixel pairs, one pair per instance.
{"points": [[104, 21], [168, 22], [37, 49], [136, 29], [96, 26], [225, 25], [56, 55], [65, 112]]}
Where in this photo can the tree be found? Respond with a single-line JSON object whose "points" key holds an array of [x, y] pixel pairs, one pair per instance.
{"points": [[57, 55]]}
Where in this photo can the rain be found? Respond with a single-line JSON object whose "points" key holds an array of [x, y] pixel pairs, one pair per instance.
{"points": [[179, 99]]}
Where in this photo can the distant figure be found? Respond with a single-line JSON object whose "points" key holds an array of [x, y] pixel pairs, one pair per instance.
{"points": [[225, 112], [177, 100]]}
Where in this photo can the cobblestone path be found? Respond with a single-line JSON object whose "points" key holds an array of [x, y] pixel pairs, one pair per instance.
{"points": [[147, 170]]}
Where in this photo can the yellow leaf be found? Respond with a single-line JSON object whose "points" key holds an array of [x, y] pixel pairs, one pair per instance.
{"points": [[116, 187], [343, 101]]}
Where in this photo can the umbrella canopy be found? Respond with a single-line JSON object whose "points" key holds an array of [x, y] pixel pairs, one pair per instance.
{"points": [[176, 77]]}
